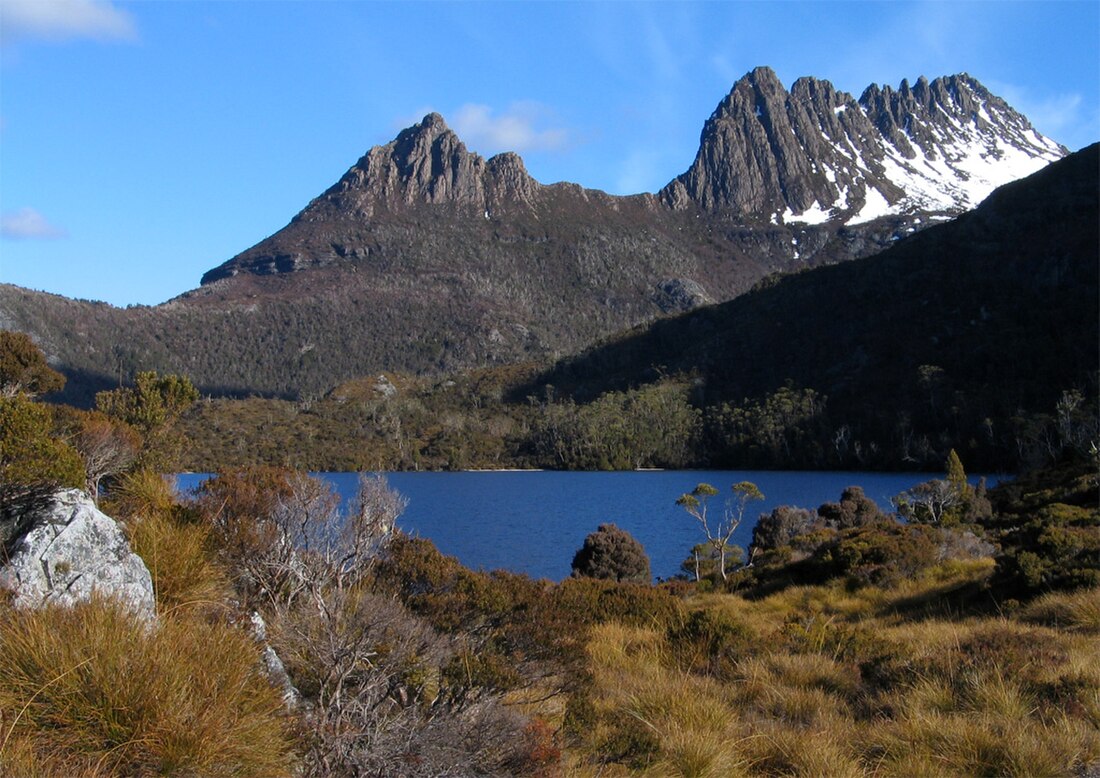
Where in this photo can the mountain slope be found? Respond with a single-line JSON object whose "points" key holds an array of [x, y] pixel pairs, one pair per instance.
{"points": [[424, 257], [949, 335]]}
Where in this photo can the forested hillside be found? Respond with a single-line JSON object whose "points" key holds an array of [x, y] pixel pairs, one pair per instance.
{"points": [[979, 335], [955, 337]]}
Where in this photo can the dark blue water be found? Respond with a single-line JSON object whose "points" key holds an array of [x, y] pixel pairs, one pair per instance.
{"points": [[533, 522]]}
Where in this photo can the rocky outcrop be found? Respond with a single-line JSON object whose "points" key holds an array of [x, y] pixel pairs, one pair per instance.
{"points": [[273, 665], [676, 295], [71, 551], [815, 154]]}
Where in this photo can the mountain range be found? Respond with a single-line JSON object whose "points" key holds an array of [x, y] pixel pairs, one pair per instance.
{"points": [[963, 335], [425, 257]]}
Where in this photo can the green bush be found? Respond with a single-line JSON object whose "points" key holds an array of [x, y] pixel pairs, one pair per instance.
{"points": [[780, 526], [711, 641], [855, 509], [613, 554], [1048, 525], [880, 554], [33, 462]]}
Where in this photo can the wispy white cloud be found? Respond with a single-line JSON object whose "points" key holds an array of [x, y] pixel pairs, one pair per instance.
{"points": [[61, 20], [521, 127], [27, 223], [1064, 117]]}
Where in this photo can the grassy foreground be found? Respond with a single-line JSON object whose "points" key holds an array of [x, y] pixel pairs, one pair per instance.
{"points": [[409, 664], [826, 681]]}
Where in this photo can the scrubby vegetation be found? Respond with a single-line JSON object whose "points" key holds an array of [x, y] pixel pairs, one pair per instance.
{"points": [[500, 418], [961, 638], [613, 554]]}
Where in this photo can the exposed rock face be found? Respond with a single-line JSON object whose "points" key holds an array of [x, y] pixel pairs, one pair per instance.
{"points": [[273, 665], [425, 164], [426, 258], [676, 295], [71, 551], [815, 154]]}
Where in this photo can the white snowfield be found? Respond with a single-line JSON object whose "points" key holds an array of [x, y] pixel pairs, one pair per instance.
{"points": [[966, 160]]}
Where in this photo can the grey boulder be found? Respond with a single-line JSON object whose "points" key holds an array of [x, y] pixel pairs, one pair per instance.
{"points": [[72, 551]]}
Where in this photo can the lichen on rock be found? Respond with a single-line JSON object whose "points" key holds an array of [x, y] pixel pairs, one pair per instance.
{"points": [[71, 551]]}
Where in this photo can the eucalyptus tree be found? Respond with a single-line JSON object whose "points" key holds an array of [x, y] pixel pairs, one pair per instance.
{"points": [[719, 529]]}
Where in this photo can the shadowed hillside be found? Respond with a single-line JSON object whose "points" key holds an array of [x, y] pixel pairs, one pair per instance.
{"points": [[952, 332]]}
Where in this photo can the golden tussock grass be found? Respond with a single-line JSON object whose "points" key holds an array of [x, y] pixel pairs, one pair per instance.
{"points": [[969, 744], [783, 751], [914, 692], [177, 555], [140, 493], [175, 548], [92, 690], [1075, 611]]}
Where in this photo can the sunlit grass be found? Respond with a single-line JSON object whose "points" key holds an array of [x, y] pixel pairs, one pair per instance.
{"points": [[842, 682], [1077, 611], [93, 690]]}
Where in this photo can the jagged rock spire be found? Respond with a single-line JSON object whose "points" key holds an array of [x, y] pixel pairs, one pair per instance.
{"points": [[815, 154], [428, 163]]}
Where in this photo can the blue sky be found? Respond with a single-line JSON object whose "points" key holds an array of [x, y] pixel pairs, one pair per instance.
{"points": [[143, 143]]}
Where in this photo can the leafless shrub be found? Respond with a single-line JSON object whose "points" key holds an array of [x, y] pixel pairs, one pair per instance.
{"points": [[372, 674]]}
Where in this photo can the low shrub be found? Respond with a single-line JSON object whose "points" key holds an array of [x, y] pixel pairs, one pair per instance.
{"points": [[1048, 525], [840, 640], [711, 641], [612, 554], [855, 509], [1027, 651], [33, 461], [626, 739], [879, 554], [779, 527], [597, 602]]}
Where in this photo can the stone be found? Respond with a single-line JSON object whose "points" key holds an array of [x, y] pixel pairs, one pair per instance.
{"points": [[676, 295], [816, 154], [276, 671], [71, 551]]}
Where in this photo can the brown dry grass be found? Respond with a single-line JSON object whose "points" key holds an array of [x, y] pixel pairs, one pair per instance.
{"points": [[93, 691], [855, 683]]}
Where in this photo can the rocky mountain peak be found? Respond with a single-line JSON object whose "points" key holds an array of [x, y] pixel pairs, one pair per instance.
{"points": [[815, 154], [767, 156], [426, 163], [759, 152]]}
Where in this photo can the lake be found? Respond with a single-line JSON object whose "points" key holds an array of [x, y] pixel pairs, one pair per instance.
{"points": [[534, 521]]}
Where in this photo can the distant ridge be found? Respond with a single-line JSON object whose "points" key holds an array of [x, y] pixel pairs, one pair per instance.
{"points": [[425, 257]]}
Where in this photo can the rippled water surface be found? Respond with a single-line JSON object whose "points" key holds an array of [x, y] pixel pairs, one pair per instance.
{"points": [[534, 521]]}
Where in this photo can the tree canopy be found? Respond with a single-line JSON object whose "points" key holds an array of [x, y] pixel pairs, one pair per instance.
{"points": [[23, 367]]}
